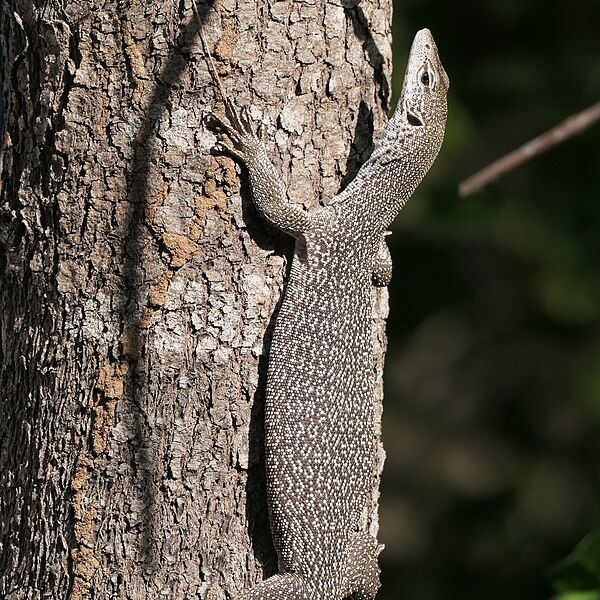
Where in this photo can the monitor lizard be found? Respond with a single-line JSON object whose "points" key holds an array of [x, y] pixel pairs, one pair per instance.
{"points": [[319, 405]]}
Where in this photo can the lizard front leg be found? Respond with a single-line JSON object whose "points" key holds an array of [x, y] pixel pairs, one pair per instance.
{"points": [[269, 195]]}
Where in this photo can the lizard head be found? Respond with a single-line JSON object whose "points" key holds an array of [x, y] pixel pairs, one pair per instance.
{"points": [[423, 100]]}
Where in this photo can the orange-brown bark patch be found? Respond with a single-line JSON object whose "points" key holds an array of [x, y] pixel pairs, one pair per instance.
{"points": [[180, 247]]}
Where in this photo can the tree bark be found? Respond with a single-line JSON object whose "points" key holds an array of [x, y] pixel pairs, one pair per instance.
{"points": [[138, 284]]}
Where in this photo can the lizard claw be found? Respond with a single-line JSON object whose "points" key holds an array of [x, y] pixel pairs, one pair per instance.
{"points": [[214, 119], [232, 115], [245, 120], [221, 148], [224, 125], [261, 131]]}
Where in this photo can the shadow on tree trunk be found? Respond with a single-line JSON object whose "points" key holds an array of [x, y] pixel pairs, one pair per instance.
{"points": [[135, 319]]}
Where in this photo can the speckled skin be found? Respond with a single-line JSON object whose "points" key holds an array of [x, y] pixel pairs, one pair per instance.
{"points": [[319, 417]]}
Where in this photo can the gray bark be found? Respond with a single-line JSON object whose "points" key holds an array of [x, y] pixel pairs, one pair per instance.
{"points": [[138, 284]]}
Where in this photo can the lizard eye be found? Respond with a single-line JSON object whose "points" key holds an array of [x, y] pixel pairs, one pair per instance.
{"points": [[425, 78]]}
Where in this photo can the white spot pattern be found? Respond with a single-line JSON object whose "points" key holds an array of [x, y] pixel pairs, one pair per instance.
{"points": [[319, 413]]}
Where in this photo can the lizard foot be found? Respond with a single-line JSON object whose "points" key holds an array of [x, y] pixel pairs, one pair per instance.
{"points": [[363, 568], [238, 128], [381, 272]]}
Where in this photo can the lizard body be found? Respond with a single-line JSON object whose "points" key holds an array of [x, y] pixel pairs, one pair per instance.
{"points": [[319, 406]]}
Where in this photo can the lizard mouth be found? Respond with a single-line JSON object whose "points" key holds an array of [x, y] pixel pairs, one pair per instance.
{"points": [[413, 119]]}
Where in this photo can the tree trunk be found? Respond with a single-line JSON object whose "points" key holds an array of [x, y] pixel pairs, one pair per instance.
{"points": [[138, 284]]}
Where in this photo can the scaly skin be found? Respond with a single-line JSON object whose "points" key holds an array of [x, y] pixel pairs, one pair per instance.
{"points": [[319, 416]]}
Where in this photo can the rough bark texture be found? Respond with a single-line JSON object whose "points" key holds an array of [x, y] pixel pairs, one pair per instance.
{"points": [[137, 283]]}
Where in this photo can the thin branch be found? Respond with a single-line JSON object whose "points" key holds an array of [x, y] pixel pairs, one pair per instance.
{"points": [[570, 127]]}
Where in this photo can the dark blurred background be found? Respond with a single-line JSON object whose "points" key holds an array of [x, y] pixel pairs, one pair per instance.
{"points": [[492, 407]]}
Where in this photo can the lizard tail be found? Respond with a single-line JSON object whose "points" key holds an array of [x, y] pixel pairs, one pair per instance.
{"points": [[280, 587], [363, 568]]}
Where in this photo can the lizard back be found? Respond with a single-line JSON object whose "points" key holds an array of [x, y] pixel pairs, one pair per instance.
{"points": [[319, 421]]}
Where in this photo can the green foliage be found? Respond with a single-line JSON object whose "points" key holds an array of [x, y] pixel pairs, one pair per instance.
{"points": [[577, 577]]}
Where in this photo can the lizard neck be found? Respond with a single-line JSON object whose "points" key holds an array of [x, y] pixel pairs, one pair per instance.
{"points": [[398, 164]]}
